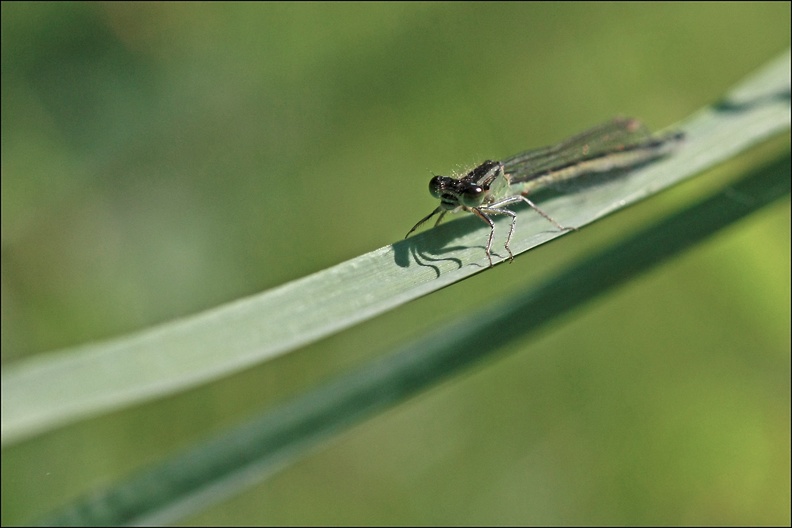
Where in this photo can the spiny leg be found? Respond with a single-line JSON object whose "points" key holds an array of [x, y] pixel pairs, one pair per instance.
{"points": [[513, 216], [545, 215], [511, 232], [489, 222], [520, 198], [416, 226], [500, 172]]}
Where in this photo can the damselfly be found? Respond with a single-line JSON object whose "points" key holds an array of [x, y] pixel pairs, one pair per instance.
{"points": [[619, 144]]}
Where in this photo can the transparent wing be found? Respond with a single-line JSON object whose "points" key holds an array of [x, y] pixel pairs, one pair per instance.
{"points": [[618, 135]]}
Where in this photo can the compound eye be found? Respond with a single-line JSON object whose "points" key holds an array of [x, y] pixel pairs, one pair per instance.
{"points": [[472, 196], [437, 186]]}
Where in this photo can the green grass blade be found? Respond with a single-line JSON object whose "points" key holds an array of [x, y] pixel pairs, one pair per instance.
{"points": [[54, 389], [216, 469]]}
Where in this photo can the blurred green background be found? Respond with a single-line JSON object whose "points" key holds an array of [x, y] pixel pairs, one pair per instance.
{"points": [[160, 159]]}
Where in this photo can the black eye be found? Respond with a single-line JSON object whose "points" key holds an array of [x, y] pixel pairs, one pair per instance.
{"points": [[472, 196], [437, 185]]}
